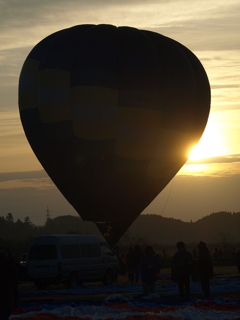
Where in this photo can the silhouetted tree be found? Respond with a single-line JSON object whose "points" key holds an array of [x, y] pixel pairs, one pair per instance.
{"points": [[9, 219], [225, 239]]}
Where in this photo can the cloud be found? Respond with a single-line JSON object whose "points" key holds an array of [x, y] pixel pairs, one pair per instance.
{"points": [[26, 175], [221, 86], [220, 159], [213, 27], [38, 177], [209, 25]]}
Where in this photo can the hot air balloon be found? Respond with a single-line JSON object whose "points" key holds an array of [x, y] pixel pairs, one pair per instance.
{"points": [[112, 113]]}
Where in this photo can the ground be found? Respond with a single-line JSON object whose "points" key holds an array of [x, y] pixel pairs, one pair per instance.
{"points": [[125, 301], [219, 271]]}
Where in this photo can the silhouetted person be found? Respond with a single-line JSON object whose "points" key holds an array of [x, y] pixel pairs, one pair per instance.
{"points": [[181, 269], [149, 266], [116, 250], [8, 285], [123, 264], [205, 268], [129, 264], [136, 256]]}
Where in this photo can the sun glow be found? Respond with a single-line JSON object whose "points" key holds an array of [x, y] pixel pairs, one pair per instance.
{"points": [[210, 145]]}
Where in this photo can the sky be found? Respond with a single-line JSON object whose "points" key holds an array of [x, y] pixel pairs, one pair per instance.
{"points": [[209, 182]]}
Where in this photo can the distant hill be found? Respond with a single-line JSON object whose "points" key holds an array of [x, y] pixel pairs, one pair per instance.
{"points": [[213, 228], [216, 227], [221, 229]]}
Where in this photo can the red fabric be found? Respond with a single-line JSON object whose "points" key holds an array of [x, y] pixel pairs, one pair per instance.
{"points": [[209, 305], [203, 305], [21, 311], [49, 316], [103, 292], [40, 316], [44, 296], [120, 305]]}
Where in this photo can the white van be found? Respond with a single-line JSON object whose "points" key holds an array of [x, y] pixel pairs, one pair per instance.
{"points": [[70, 259]]}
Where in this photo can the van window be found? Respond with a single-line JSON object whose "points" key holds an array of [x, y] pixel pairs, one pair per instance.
{"points": [[42, 252], [90, 250], [85, 250], [94, 250], [70, 251], [106, 250]]}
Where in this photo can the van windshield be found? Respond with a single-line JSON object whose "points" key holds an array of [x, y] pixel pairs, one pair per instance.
{"points": [[107, 250], [42, 252]]}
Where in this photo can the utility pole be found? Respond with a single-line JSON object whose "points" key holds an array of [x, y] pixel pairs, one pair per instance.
{"points": [[48, 213]]}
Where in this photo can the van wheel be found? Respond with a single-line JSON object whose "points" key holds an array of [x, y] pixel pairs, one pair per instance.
{"points": [[73, 280], [108, 278]]}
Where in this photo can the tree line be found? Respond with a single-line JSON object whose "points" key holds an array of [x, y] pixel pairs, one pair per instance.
{"points": [[221, 228], [16, 236]]}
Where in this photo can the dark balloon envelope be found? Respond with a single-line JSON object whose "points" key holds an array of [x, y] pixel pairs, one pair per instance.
{"points": [[111, 113]]}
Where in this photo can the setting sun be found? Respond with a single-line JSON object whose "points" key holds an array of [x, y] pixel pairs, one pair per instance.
{"points": [[210, 145]]}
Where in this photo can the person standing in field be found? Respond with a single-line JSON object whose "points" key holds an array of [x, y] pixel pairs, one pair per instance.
{"points": [[181, 269], [129, 264], [136, 256], [149, 266], [8, 285], [205, 268]]}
